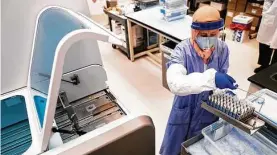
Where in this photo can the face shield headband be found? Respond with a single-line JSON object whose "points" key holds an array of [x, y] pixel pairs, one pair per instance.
{"points": [[208, 25]]}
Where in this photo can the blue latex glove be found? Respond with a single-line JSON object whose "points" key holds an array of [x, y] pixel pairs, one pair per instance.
{"points": [[223, 81]]}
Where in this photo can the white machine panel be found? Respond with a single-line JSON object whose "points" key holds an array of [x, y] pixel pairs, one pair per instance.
{"points": [[18, 22], [88, 54]]}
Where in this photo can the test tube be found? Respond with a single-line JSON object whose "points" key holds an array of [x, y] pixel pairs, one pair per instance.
{"points": [[234, 113], [209, 100]]}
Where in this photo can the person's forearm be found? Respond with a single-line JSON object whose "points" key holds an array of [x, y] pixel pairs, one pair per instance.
{"points": [[180, 83]]}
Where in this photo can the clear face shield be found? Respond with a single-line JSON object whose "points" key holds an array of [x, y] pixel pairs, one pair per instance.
{"points": [[205, 35]]}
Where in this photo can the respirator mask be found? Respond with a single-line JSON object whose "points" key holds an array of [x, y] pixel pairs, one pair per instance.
{"points": [[206, 43]]}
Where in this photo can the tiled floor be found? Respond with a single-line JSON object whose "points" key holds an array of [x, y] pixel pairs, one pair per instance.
{"points": [[138, 84]]}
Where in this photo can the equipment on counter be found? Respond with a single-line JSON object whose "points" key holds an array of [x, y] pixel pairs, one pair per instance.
{"points": [[144, 4], [173, 9], [171, 4], [173, 14], [67, 98]]}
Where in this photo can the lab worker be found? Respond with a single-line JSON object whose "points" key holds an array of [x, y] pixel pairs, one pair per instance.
{"points": [[267, 35], [198, 65]]}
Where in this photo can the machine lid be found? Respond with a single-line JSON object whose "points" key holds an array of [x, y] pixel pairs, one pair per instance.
{"points": [[16, 48], [57, 29], [53, 24]]}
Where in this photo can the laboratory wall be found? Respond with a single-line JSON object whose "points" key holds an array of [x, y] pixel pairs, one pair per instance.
{"points": [[17, 27]]}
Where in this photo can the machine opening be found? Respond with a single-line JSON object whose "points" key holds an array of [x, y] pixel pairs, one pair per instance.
{"points": [[15, 129]]}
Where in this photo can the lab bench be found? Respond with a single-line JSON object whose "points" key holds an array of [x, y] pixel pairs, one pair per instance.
{"points": [[121, 19], [170, 34], [151, 19], [266, 78]]}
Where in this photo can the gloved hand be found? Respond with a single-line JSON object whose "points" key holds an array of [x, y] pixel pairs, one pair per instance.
{"points": [[223, 81]]}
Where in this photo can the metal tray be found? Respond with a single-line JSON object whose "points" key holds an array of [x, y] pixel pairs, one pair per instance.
{"points": [[92, 112], [102, 121], [186, 144], [236, 142], [244, 125]]}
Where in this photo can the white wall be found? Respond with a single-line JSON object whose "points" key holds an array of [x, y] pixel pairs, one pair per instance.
{"points": [[96, 7], [17, 27]]}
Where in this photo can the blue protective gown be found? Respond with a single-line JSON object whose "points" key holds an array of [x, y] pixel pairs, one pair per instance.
{"points": [[187, 118]]}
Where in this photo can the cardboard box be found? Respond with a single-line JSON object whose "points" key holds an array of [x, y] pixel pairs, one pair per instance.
{"points": [[231, 6], [253, 28], [240, 13], [111, 3], [218, 6], [255, 21], [254, 9], [240, 7], [232, 1], [242, 19], [242, 2], [228, 21], [240, 36], [204, 4], [138, 38], [229, 17]]}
